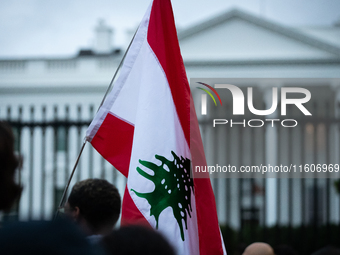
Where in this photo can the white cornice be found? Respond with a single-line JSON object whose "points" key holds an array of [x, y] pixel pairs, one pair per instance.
{"points": [[266, 24]]}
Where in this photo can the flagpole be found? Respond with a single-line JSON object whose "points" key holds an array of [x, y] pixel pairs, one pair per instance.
{"points": [[62, 200], [118, 68]]}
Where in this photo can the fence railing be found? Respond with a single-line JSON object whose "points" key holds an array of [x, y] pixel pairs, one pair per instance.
{"points": [[49, 144], [49, 139], [303, 212]]}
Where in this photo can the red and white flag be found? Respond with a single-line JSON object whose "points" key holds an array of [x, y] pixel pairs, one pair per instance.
{"points": [[143, 129]]}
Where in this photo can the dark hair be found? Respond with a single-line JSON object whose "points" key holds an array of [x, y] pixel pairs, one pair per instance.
{"points": [[135, 240], [9, 190], [284, 249], [98, 202], [328, 250]]}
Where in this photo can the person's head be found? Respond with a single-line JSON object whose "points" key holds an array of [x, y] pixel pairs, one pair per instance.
{"points": [[136, 240], [9, 190], [94, 204], [259, 249]]}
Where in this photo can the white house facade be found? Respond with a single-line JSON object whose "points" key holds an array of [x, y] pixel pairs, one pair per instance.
{"points": [[247, 50]]}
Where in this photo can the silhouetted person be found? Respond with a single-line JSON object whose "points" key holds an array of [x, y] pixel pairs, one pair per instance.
{"points": [[284, 249], [136, 240], [59, 237], [9, 190], [259, 249], [95, 205], [328, 250]]}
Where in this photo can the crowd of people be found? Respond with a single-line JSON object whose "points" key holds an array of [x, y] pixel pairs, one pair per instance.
{"points": [[87, 225]]}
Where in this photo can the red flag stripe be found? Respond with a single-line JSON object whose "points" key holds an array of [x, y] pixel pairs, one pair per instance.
{"points": [[162, 38], [113, 141], [130, 213]]}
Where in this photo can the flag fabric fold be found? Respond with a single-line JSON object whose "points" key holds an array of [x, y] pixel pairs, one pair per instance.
{"points": [[143, 129]]}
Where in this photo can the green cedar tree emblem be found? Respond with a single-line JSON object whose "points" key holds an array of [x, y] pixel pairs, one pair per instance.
{"points": [[173, 187]]}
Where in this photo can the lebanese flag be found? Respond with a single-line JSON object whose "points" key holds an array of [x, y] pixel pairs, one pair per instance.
{"points": [[143, 129]]}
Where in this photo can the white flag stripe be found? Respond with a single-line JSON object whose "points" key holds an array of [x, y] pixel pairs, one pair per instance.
{"points": [[157, 129]]}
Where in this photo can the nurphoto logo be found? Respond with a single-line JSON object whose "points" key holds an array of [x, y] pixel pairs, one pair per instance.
{"points": [[238, 102]]}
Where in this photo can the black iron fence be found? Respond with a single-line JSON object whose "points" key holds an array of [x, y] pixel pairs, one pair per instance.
{"points": [[298, 211], [302, 212], [49, 145]]}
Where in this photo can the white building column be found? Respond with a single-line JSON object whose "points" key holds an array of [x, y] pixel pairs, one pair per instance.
{"points": [[271, 140]]}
